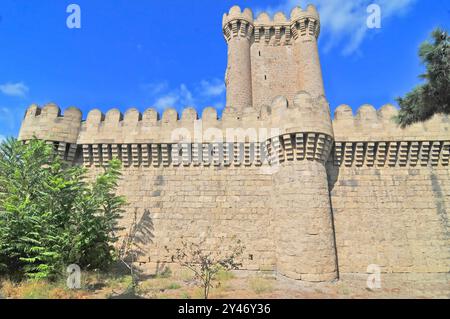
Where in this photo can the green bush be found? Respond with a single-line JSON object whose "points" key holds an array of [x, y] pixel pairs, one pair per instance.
{"points": [[51, 216]]}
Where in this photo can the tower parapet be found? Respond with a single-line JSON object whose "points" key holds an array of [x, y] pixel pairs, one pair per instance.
{"points": [[305, 23], [50, 125], [282, 31], [237, 23]]}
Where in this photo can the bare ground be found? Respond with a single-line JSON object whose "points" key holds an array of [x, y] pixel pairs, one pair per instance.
{"points": [[238, 285]]}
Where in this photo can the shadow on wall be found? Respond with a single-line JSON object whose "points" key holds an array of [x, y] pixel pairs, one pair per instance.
{"points": [[439, 199], [144, 231], [139, 236], [333, 175]]}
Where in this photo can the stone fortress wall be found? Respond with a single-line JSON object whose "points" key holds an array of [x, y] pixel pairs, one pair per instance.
{"points": [[310, 198]]}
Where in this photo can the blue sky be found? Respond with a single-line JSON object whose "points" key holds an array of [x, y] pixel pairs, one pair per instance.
{"points": [[172, 53]]}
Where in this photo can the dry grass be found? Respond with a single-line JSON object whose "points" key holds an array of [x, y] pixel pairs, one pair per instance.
{"points": [[180, 285], [158, 285], [183, 274], [224, 275], [93, 285], [261, 285], [41, 289]]}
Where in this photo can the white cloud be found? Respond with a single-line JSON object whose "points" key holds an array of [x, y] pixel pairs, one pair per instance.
{"points": [[344, 21], [178, 97], [212, 88], [166, 101], [14, 89], [203, 93], [186, 95], [155, 88]]}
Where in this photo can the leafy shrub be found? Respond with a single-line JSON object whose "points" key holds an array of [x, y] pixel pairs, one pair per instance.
{"points": [[207, 264], [51, 216]]}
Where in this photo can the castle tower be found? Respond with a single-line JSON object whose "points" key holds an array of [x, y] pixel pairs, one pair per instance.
{"points": [[306, 27], [237, 27], [304, 234], [272, 57], [268, 56], [304, 231]]}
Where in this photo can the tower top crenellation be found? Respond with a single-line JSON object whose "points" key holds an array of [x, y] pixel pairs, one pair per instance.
{"points": [[303, 22]]}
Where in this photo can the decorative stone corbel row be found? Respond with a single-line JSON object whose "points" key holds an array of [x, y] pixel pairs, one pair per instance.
{"points": [[391, 153], [287, 147]]}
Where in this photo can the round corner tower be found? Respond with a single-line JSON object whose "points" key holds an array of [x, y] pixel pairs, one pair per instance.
{"points": [[306, 29], [304, 223], [49, 124], [281, 56], [237, 28], [302, 215]]}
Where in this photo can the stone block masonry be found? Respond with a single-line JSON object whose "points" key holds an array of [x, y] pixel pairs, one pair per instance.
{"points": [[268, 57], [310, 198]]}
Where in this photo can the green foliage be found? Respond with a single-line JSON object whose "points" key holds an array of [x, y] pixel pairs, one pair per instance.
{"points": [[50, 215], [433, 96]]}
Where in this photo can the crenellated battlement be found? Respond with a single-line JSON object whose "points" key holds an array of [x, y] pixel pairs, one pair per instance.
{"points": [[274, 129], [278, 30], [369, 124], [271, 134], [372, 138], [60, 130], [237, 23], [49, 123]]}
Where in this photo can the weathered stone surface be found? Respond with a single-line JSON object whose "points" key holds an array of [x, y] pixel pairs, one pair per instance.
{"points": [[310, 198]]}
